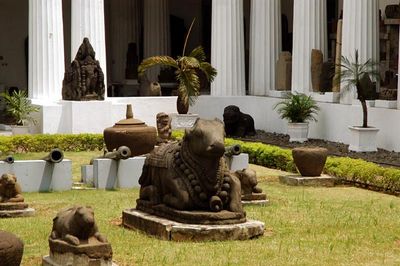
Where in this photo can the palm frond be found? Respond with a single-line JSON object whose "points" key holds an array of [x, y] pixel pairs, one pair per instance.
{"points": [[208, 70], [198, 53], [189, 85], [156, 60], [297, 108], [187, 62]]}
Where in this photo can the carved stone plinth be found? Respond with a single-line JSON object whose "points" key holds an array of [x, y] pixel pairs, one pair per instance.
{"points": [[170, 230], [255, 199], [314, 181], [19, 209], [91, 253]]}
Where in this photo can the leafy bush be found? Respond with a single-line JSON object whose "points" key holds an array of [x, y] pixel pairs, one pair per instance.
{"points": [[297, 108], [19, 106], [46, 142]]}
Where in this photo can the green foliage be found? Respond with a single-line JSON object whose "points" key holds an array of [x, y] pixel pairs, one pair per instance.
{"points": [[297, 108], [46, 142], [19, 106]]}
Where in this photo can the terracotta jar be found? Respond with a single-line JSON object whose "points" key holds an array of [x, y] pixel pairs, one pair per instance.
{"points": [[132, 133], [310, 161]]}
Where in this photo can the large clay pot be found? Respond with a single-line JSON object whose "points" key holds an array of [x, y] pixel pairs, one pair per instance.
{"points": [[132, 133], [11, 249], [310, 161]]}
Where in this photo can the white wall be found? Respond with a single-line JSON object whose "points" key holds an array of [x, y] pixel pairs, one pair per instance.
{"points": [[13, 31]]}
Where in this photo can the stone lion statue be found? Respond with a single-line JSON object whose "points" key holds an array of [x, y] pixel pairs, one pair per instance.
{"points": [[75, 224], [10, 190], [238, 124]]}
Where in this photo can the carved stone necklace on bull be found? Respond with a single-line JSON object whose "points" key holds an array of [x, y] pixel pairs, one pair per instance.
{"points": [[209, 189]]}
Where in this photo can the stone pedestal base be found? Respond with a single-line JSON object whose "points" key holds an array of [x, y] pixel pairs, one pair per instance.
{"points": [[71, 259], [182, 121], [315, 181], [170, 230], [19, 209], [255, 202], [255, 199]]}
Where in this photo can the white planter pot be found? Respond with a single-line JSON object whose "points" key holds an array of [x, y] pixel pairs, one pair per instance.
{"points": [[298, 132], [20, 130], [363, 139]]}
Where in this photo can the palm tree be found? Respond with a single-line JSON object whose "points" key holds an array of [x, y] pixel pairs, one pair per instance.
{"points": [[186, 72], [351, 76]]}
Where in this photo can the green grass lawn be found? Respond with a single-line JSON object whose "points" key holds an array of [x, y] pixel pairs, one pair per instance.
{"points": [[304, 226]]}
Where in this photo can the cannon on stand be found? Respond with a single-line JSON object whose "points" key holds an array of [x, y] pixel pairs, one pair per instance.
{"points": [[122, 153], [54, 156], [9, 159], [233, 150]]}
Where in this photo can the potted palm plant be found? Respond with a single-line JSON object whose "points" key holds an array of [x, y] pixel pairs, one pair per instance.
{"points": [[20, 108], [298, 109], [363, 138], [186, 69]]}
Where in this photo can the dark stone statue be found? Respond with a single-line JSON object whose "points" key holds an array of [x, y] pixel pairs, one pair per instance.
{"points": [[238, 124], [84, 79], [248, 182], [163, 127], [76, 225], [11, 249], [10, 190], [191, 175]]}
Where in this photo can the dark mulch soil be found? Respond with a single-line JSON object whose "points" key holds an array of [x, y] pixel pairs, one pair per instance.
{"points": [[383, 157]]}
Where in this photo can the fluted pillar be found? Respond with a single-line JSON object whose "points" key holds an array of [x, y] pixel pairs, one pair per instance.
{"points": [[46, 49], [265, 44], [125, 28], [87, 20], [227, 48], [309, 32], [360, 32], [156, 35]]}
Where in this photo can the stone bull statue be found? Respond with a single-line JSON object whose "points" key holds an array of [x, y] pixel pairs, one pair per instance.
{"points": [[192, 174]]}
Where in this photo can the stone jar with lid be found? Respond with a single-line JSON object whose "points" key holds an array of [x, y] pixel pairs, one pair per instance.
{"points": [[132, 133]]}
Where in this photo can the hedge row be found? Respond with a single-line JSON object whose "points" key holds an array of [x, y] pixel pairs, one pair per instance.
{"points": [[45, 142]]}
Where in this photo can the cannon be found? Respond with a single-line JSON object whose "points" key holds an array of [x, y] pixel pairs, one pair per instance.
{"points": [[233, 150], [122, 153], [9, 159], [54, 156]]}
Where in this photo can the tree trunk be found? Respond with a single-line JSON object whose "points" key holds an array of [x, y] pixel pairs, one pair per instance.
{"points": [[365, 113], [182, 106]]}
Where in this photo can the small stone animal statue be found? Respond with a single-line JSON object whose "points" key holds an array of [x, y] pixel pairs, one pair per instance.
{"points": [[192, 174], [238, 124], [84, 79], [10, 190], [75, 224], [163, 127], [11, 249], [248, 181]]}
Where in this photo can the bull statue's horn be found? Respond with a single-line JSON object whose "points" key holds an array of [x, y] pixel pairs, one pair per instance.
{"points": [[54, 156], [233, 150], [9, 159]]}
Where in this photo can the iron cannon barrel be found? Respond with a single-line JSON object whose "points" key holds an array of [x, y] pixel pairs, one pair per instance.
{"points": [[9, 159], [122, 153], [233, 150], [54, 156]]}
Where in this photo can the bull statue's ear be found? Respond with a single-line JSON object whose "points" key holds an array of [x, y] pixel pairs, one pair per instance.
{"points": [[218, 120]]}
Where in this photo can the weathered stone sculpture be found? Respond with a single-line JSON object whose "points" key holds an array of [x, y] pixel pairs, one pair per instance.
{"points": [[11, 249], [84, 79], [163, 127], [75, 239], [284, 72], [10, 190], [317, 59], [191, 175], [238, 124], [248, 182]]}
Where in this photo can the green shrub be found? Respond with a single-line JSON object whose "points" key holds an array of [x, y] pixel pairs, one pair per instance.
{"points": [[46, 142]]}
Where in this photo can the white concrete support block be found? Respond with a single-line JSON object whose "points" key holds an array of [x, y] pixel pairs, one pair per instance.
{"points": [[360, 32], [87, 20], [87, 174], [238, 162], [156, 36], [309, 32], [46, 49], [39, 175], [327, 97], [265, 45], [182, 121], [111, 174], [227, 48]]}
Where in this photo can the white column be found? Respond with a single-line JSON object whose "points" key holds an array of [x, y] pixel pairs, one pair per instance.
{"points": [[156, 37], [227, 48], [125, 28], [309, 32], [398, 79], [265, 44], [360, 32], [87, 20], [46, 49]]}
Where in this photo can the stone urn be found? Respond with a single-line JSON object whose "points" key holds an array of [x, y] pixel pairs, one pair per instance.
{"points": [[132, 133], [310, 161]]}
